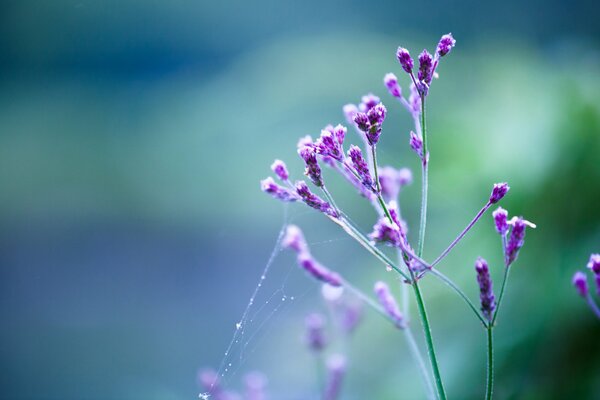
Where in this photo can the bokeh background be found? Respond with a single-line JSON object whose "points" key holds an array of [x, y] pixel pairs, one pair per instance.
{"points": [[133, 135]]}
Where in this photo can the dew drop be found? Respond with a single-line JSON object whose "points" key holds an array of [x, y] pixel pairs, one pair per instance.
{"points": [[388, 268]]}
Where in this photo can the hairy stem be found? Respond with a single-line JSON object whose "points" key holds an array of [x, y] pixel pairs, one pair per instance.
{"points": [[490, 363], [463, 233], [429, 341], [425, 183]]}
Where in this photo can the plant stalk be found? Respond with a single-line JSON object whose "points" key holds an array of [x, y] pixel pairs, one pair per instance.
{"points": [[490, 363]]}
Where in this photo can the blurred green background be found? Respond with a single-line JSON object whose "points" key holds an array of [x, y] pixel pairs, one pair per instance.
{"points": [[133, 135]]}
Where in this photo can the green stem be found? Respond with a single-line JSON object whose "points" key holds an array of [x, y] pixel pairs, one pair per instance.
{"points": [[419, 358], [490, 364], [429, 341], [425, 183], [504, 280], [374, 156]]}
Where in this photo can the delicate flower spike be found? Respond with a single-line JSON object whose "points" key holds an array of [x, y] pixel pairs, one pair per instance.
{"points": [[498, 192], [391, 83], [340, 133], [336, 369], [486, 293], [329, 145], [256, 383], [405, 59], [516, 239], [315, 337], [360, 166], [391, 234], [446, 44], [279, 168], [319, 272], [269, 186], [294, 239], [500, 220], [425, 67], [350, 111], [580, 283], [376, 116], [362, 121], [389, 304], [367, 102], [313, 171], [594, 263], [314, 201], [391, 180], [416, 143]]}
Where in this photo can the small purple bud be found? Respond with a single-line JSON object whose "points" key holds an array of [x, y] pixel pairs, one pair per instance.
{"points": [[367, 102], [389, 304], [391, 234], [256, 384], [425, 67], [516, 240], [416, 143], [580, 283], [498, 192], [313, 171], [391, 180], [314, 201], [405, 59], [305, 141], [315, 337], [294, 239], [340, 133], [501, 220], [486, 293], [360, 166], [336, 369], [279, 168], [377, 114], [319, 272], [391, 83], [350, 111], [594, 263], [329, 145], [269, 186], [446, 44], [415, 99], [362, 121]]}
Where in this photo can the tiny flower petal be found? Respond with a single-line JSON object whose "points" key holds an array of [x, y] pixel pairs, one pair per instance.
{"points": [[279, 168], [405, 59], [446, 44], [580, 283], [498, 192], [391, 83], [500, 220]]}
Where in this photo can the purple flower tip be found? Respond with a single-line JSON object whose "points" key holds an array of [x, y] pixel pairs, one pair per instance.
{"points": [[336, 369], [446, 44], [279, 168], [360, 166], [416, 143], [498, 192], [387, 301], [425, 67], [594, 263], [319, 272], [367, 102], [486, 293], [501, 220], [315, 325], [294, 239], [313, 171], [362, 121], [350, 111], [391, 83], [314, 201], [580, 283], [269, 186], [405, 59], [516, 239], [377, 114]]}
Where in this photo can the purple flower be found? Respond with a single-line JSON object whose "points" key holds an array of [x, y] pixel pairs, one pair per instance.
{"points": [[314, 201], [351, 315], [269, 186], [294, 239], [486, 293], [425, 67], [391, 180], [405, 59], [580, 283], [313, 171], [305, 141], [391, 83], [315, 337], [391, 234], [516, 239], [446, 44], [360, 166], [362, 121], [376, 114], [329, 144], [350, 111], [500, 220], [415, 99], [256, 383], [389, 304], [594, 263], [319, 272], [279, 168], [498, 192], [336, 369], [367, 102], [416, 143]]}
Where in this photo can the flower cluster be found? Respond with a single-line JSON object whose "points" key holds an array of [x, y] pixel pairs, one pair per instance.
{"points": [[486, 293], [581, 285], [516, 226]]}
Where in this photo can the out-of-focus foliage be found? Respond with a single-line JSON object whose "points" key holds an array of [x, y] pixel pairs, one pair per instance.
{"points": [[132, 140]]}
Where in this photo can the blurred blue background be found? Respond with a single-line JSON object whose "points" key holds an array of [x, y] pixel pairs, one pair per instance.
{"points": [[133, 135]]}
